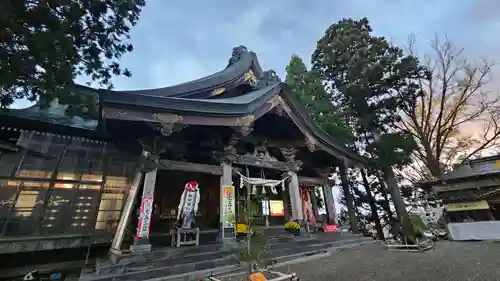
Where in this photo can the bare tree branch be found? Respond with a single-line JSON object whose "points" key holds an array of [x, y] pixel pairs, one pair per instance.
{"points": [[456, 101]]}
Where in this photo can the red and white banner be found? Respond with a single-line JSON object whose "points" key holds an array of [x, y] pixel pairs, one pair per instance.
{"points": [[145, 217]]}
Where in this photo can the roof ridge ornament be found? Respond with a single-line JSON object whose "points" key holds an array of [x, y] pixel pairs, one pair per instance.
{"points": [[267, 78], [237, 54]]}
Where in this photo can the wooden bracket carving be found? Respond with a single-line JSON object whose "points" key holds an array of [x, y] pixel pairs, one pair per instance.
{"points": [[289, 155], [250, 78], [310, 145], [243, 130], [169, 123], [261, 153], [170, 128], [245, 120], [230, 153]]}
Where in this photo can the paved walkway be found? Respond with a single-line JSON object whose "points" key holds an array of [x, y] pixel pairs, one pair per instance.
{"points": [[457, 261]]}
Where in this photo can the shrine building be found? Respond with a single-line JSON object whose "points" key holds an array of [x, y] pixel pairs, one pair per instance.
{"points": [[117, 180]]}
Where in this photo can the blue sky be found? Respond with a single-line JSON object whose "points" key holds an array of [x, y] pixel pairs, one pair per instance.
{"points": [[176, 41]]}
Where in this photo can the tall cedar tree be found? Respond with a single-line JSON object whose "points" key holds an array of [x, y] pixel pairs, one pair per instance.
{"points": [[373, 81], [46, 44], [309, 89]]}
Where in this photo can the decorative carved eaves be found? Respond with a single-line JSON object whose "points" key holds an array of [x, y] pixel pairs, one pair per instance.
{"points": [[289, 155], [218, 91], [169, 124], [267, 78], [245, 121], [310, 144], [250, 78], [170, 128], [239, 132], [261, 153], [237, 54], [230, 153]]}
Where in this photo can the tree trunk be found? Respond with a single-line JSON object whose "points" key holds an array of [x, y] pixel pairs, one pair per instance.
{"points": [[387, 205], [373, 206], [349, 200], [432, 162], [399, 204]]}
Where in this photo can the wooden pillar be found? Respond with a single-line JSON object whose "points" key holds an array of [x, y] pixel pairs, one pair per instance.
{"points": [[227, 212], [314, 202], [286, 199], [141, 240], [227, 208], [331, 211], [295, 200], [127, 211], [293, 185]]}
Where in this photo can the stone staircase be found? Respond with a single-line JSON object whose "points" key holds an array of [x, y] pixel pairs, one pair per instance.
{"points": [[185, 263]]}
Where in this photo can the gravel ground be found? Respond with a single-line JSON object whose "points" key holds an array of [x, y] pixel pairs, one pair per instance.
{"points": [[453, 261]]}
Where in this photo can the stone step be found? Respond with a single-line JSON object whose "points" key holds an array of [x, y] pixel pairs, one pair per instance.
{"points": [[160, 253], [314, 245], [180, 265], [173, 256], [152, 271], [237, 270], [293, 243], [164, 262]]}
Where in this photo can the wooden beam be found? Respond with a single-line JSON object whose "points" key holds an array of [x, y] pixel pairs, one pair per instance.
{"points": [[469, 184], [311, 181], [171, 165], [250, 161]]}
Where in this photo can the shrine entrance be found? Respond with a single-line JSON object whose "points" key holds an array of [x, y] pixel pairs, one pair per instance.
{"points": [[267, 191], [167, 196]]}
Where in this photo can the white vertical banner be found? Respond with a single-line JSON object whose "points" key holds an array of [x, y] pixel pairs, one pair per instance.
{"points": [[265, 208]]}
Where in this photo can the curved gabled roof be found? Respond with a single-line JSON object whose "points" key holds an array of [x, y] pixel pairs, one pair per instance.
{"points": [[55, 113], [240, 63], [194, 99], [241, 90]]}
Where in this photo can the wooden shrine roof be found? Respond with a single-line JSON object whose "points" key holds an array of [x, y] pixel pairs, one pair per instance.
{"points": [[236, 96]]}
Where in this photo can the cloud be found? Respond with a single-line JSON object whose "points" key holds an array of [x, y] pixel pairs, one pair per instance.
{"points": [[184, 40], [178, 41]]}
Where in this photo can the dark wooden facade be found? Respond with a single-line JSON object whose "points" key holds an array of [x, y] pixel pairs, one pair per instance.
{"points": [[64, 180], [471, 191]]}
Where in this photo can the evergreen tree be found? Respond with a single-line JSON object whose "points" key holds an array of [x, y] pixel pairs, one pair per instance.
{"points": [[372, 81], [44, 45], [308, 87]]}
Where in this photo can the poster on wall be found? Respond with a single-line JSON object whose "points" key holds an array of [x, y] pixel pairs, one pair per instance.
{"points": [[276, 208], [145, 217], [228, 208]]}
